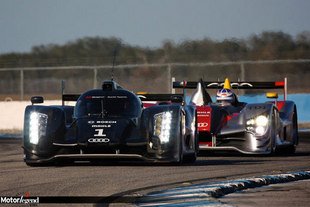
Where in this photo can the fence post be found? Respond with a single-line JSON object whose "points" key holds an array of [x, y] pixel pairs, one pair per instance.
{"points": [[172, 89], [169, 78], [242, 71], [95, 78], [21, 84]]}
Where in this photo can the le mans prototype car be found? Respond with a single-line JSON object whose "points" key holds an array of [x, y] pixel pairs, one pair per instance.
{"points": [[250, 128], [110, 123]]}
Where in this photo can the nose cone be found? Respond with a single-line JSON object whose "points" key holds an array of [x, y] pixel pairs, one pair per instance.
{"points": [[200, 96], [114, 131]]}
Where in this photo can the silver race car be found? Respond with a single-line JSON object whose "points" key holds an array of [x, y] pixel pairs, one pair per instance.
{"points": [[250, 128]]}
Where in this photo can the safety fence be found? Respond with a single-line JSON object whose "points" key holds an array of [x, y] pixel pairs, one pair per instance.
{"points": [[21, 83]]}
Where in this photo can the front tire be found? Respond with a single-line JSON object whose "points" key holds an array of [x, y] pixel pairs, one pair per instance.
{"points": [[191, 158], [291, 149], [181, 154], [274, 133]]}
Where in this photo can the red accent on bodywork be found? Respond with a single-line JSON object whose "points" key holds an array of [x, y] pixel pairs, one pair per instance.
{"points": [[148, 104], [280, 104], [279, 83], [204, 118], [209, 144], [228, 118]]}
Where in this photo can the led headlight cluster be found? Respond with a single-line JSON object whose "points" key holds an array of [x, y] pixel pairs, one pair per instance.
{"points": [[258, 125], [162, 126], [37, 126]]}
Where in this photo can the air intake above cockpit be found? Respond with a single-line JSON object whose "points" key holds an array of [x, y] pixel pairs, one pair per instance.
{"points": [[109, 85]]}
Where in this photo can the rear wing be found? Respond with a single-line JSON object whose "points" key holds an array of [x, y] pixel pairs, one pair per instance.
{"points": [[153, 98], [236, 85], [69, 97], [158, 97]]}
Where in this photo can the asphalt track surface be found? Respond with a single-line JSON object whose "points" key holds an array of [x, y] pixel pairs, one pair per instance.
{"points": [[114, 180]]}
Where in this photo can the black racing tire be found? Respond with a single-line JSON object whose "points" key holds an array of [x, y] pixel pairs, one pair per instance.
{"points": [[191, 158], [180, 159], [295, 126], [273, 147], [291, 149]]}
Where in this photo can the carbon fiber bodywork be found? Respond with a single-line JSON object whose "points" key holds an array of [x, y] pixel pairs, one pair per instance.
{"points": [[109, 123]]}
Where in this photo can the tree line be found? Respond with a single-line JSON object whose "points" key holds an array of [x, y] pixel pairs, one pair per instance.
{"points": [[268, 45]]}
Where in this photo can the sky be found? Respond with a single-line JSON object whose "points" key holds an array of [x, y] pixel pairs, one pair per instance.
{"points": [[146, 23]]}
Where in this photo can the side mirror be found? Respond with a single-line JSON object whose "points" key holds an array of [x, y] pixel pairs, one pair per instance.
{"points": [[272, 95], [37, 100], [176, 99]]}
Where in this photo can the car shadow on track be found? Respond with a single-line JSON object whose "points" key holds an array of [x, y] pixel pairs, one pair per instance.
{"points": [[199, 162]]}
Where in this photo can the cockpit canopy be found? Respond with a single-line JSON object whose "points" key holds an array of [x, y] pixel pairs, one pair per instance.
{"points": [[103, 103]]}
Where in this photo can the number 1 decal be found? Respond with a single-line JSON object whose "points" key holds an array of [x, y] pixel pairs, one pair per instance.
{"points": [[99, 133]]}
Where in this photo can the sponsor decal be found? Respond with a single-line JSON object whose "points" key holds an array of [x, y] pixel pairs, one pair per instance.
{"points": [[203, 118], [102, 122], [204, 124], [103, 97], [101, 126], [117, 97], [105, 122], [99, 140]]}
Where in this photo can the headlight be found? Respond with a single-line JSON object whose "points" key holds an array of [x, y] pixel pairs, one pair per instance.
{"points": [[37, 126], [258, 125], [162, 126], [261, 121]]}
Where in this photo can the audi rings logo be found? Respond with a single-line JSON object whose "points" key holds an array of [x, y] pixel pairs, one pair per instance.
{"points": [[99, 140], [204, 124]]}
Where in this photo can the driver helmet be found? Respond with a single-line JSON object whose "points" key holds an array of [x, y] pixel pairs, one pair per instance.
{"points": [[225, 96]]}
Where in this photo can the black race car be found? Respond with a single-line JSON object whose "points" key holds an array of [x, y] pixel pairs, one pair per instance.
{"points": [[110, 123]]}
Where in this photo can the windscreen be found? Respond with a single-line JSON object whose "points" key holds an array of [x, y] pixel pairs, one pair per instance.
{"points": [[107, 106]]}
